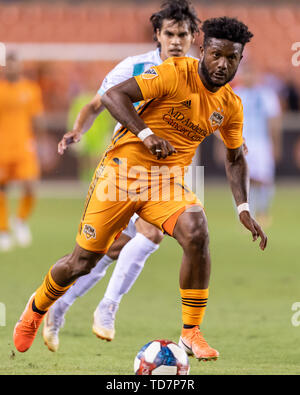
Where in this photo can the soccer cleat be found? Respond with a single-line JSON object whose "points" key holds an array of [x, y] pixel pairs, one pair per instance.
{"points": [[193, 342], [104, 319], [54, 320], [6, 242], [27, 327], [22, 232]]}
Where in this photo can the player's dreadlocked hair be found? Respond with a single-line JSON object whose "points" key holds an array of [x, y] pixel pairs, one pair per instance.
{"points": [[178, 10], [226, 28]]}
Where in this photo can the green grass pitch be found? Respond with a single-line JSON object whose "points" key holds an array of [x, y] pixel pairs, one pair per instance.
{"points": [[249, 312]]}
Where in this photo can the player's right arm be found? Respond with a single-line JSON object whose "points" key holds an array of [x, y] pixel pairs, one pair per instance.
{"points": [[83, 123], [119, 102]]}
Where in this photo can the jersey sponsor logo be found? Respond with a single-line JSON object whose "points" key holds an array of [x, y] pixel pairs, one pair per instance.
{"points": [[149, 74], [187, 103], [216, 118], [179, 121], [89, 232]]}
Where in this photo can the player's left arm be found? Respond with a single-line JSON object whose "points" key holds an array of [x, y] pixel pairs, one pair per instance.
{"points": [[238, 177]]}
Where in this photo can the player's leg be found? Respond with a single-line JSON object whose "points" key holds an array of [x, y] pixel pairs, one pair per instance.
{"points": [[183, 217], [58, 280], [102, 220], [129, 266], [54, 318], [6, 242], [191, 232]]}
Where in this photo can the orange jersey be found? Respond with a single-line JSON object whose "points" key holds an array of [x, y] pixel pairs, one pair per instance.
{"points": [[181, 110], [20, 101]]}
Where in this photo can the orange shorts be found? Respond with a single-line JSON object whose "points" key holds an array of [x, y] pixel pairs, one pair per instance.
{"points": [[116, 193], [25, 168]]}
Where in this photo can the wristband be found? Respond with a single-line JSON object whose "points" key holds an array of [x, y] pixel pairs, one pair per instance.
{"points": [[243, 207], [144, 133]]}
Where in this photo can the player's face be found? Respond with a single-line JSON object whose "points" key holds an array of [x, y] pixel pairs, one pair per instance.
{"points": [[175, 38], [220, 61]]}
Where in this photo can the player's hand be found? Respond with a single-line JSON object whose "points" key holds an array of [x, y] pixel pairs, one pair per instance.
{"points": [[254, 228], [68, 138], [159, 147]]}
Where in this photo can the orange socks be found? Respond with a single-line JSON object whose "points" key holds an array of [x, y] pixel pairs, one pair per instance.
{"points": [[25, 207], [3, 213], [194, 303], [48, 293]]}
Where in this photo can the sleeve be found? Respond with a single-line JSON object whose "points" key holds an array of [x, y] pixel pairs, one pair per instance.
{"points": [[122, 72], [232, 131], [271, 103], [36, 105], [158, 81]]}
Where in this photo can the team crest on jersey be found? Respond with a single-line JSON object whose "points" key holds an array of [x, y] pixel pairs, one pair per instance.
{"points": [[89, 231], [216, 118], [149, 74]]}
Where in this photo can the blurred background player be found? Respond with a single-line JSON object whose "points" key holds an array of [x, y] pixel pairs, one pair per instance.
{"points": [[20, 106], [262, 132], [174, 27], [95, 141]]}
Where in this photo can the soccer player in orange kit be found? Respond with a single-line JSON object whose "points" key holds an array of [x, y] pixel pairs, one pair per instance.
{"points": [[20, 105], [186, 100]]}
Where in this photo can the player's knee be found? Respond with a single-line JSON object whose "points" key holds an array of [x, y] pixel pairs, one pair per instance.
{"points": [[153, 234], [148, 230], [195, 236], [83, 262], [198, 239]]}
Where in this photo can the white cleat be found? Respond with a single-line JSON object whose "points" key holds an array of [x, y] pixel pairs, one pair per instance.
{"points": [[53, 321], [22, 232], [6, 242], [104, 319]]}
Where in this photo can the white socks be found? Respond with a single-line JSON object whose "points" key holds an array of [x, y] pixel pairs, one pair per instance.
{"points": [[84, 283], [129, 266]]}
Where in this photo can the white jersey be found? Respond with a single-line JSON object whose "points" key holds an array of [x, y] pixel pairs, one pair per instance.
{"points": [[260, 104], [128, 68]]}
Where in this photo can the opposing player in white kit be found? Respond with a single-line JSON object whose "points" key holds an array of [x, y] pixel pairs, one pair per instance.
{"points": [[262, 131], [174, 28]]}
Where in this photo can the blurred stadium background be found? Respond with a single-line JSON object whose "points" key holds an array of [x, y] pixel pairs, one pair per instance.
{"points": [[68, 48]]}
